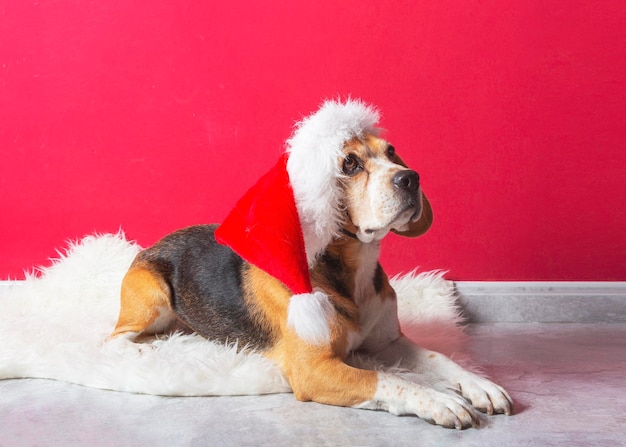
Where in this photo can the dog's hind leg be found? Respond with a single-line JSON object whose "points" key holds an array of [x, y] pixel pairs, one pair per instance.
{"points": [[144, 304]]}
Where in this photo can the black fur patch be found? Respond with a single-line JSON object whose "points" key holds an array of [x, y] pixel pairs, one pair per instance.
{"points": [[379, 279], [331, 267], [205, 280]]}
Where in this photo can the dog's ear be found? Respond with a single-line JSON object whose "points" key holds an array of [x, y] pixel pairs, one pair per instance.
{"points": [[421, 225]]}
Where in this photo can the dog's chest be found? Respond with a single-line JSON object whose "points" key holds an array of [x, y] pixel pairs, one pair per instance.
{"points": [[378, 321]]}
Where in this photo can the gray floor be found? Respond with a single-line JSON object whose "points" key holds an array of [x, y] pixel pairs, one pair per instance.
{"points": [[567, 381]]}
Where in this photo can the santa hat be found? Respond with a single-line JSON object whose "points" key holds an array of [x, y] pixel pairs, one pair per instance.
{"points": [[293, 212]]}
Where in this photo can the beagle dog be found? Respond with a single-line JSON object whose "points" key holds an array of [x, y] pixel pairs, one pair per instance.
{"points": [[190, 279]]}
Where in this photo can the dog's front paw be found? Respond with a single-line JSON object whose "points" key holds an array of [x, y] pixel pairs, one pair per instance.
{"points": [[445, 409], [485, 395], [401, 397]]}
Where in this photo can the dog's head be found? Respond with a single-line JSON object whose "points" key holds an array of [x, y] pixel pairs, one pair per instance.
{"points": [[338, 164], [380, 193]]}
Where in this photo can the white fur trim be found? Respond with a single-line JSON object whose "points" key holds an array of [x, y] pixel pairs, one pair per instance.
{"points": [[314, 150], [309, 314]]}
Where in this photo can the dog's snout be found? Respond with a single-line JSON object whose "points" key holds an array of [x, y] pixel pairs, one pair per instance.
{"points": [[407, 180]]}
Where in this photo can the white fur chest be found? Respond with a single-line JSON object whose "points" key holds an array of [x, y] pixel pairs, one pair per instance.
{"points": [[378, 320]]}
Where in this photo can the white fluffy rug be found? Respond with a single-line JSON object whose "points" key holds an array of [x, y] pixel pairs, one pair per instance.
{"points": [[53, 326]]}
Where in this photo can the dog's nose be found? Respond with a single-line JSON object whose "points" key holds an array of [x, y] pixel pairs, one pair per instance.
{"points": [[407, 180]]}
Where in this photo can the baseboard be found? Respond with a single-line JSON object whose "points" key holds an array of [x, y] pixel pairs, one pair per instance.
{"points": [[530, 302], [543, 302]]}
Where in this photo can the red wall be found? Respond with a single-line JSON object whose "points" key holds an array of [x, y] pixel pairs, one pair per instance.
{"points": [[149, 116]]}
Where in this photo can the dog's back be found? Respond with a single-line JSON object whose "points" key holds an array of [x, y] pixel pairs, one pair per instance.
{"points": [[202, 281]]}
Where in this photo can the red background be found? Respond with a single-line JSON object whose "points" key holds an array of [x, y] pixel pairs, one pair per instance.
{"points": [[149, 116]]}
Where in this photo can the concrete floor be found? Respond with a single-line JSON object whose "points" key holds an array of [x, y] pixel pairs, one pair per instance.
{"points": [[568, 382]]}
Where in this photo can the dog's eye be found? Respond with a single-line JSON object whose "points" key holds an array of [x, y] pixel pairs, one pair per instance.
{"points": [[391, 152], [351, 165]]}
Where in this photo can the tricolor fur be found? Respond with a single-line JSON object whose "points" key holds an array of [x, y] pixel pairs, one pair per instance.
{"points": [[351, 189]]}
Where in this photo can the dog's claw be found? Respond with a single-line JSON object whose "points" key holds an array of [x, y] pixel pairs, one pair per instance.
{"points": [[453, 412], [486, 396]]}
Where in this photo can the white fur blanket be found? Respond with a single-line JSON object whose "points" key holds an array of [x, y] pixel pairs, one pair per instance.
{"points": [[53, 326]]}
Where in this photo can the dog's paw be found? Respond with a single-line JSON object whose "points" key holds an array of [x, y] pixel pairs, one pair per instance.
{"points": [[447, 410], [485, 395]]}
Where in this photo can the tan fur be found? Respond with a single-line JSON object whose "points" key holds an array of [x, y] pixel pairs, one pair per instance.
{"points": [[319, 374], [268, 298], [144, 299], [306, 366]]}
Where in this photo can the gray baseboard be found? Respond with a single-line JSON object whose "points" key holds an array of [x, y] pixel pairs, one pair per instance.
{"points": [[543, 302], [531, 302]]}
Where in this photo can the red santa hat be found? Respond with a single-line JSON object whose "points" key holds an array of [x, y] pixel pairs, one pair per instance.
{"points": [[293, 212], [264, 229]]}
